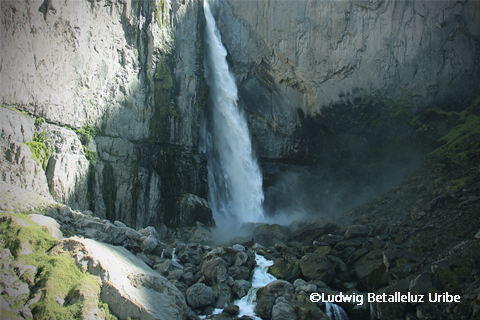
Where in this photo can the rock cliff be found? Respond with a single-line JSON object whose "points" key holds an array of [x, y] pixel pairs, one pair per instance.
{"points": [[127, 77], [294, 59], [115, 91]]}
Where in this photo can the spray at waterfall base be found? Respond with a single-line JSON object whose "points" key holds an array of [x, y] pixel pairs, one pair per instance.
{"points": [[372, 297]]}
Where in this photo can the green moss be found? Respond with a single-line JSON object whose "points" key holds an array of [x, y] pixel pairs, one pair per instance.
{"points": [[57, 274], [109, 190], [400, 262], [40, 150], [91, 186], [164, 75], [39, 121], [165, 109], [86, 133], [23, 113], [160, 12]]}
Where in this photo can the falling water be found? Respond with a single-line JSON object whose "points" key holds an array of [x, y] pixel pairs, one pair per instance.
{"points": [[335, 312], [234, 177]]}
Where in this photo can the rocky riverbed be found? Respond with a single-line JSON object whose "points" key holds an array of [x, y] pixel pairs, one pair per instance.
{"points": [[422, 237]]}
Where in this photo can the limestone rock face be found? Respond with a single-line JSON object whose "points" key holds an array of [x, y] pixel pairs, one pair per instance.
{"points": [[67, 169], [192, 208], [131, 70], [17, 167], [292, 59]]}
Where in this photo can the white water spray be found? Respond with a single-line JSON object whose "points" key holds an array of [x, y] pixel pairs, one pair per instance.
{"points": [[335, 312], [234, 177], [260, 279]]}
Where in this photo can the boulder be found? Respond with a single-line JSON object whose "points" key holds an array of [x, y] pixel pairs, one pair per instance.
{"points": [[223, 295], [294, 307], [270, 234], [421, 284], [356, 231], [370, 270], [232, 310], [149, 231], [130, 287], [392, 310], [214, 271], [312, 231], [52, 226], [149, 244], [168, 266], [285, 269], [241, 287], [188, 254], [199, 295], [191, 208], [317, 267]]}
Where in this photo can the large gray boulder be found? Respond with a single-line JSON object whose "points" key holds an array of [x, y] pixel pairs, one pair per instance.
{"points": [[214, 271], [199, 295], [317, 267], [129, 287], [191, 208], [270, 234]]}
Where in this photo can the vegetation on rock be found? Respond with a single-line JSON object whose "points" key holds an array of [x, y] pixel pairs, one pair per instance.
{"points": [[57, 278]]}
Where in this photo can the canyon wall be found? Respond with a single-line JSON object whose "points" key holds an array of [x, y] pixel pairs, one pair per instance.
{"points": [[295, 59], [114, 90], [128, 77]]}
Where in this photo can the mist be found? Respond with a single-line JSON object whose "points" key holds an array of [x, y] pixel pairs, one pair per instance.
{"points": [[309, 192]]}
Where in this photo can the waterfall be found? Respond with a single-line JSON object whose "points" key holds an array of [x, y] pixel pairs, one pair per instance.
{"points": [[234, 177], [335, 312]]}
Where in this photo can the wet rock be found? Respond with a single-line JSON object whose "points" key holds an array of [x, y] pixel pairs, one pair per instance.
{"points": [[285, 269], [214, 271], [264, 306], [315, 266], [270, 234], [290, 306], [232, 310], [241, 287], [239, 273], [199, 295], [223, 295], [275, 288]]}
